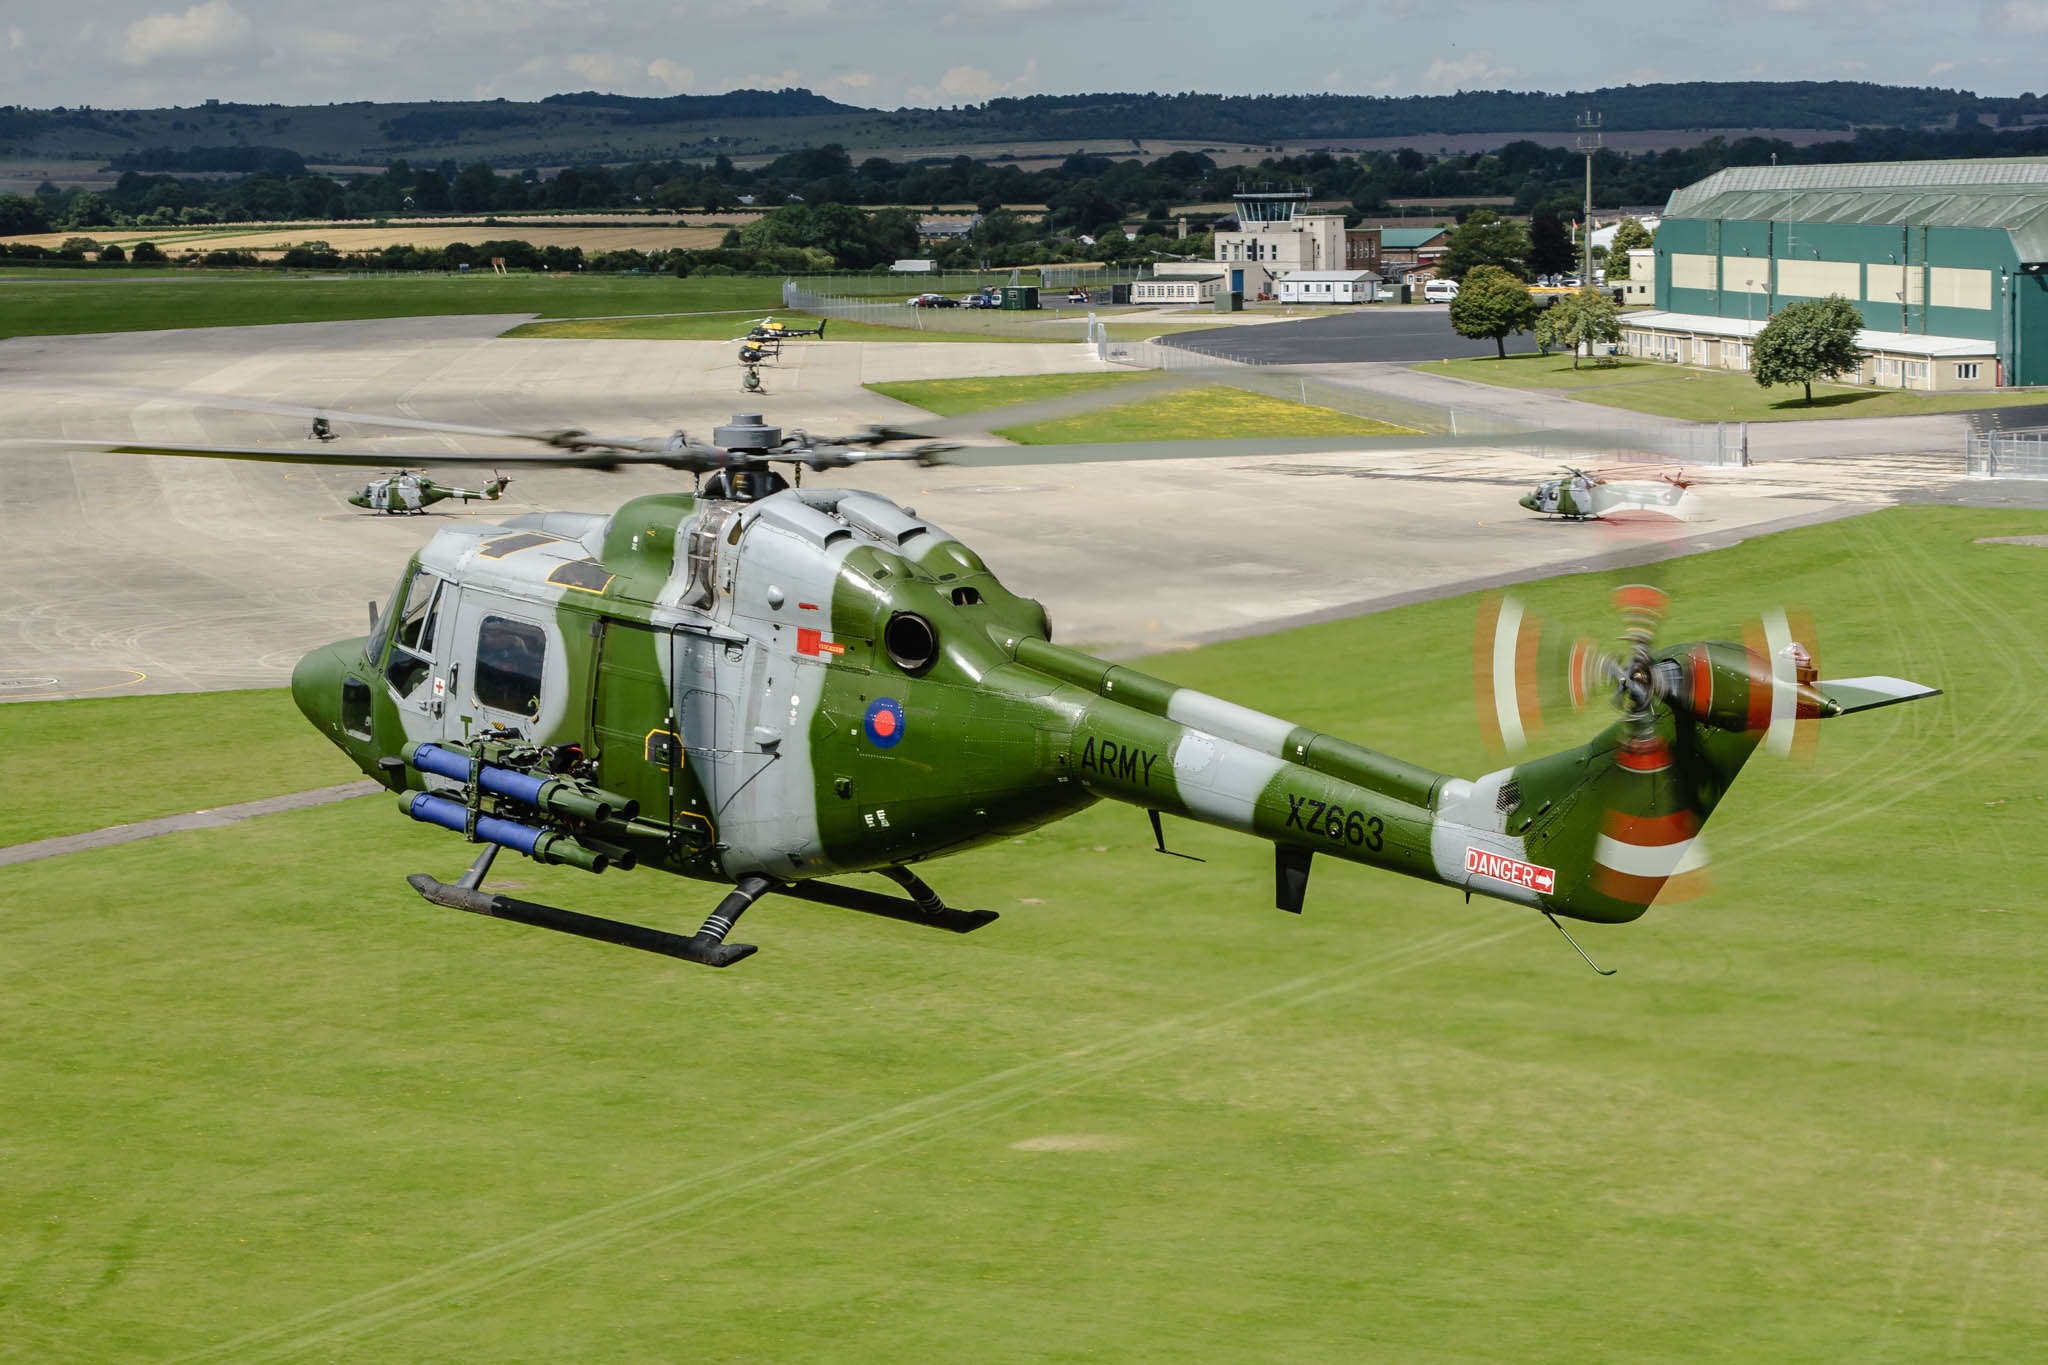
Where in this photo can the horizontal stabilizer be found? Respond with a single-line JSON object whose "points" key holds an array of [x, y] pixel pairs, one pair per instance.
{"points": [[1862, 694]]}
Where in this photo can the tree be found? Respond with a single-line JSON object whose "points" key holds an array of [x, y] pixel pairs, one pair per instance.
{"points": [[1550, 246], [20, 215], [1486, 239], [1492, 303], [1588, 318], [1630, 234], [1809, 340]]}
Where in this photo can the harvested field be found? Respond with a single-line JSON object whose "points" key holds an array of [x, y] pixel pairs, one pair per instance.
{"points": [[641, 235]]}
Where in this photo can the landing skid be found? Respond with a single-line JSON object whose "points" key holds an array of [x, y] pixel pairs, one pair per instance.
{"points": [[707, 946]]}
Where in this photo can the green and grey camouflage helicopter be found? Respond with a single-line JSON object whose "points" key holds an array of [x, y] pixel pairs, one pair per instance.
{"points": [[1583, 496], [770, 687], [409, 492]]}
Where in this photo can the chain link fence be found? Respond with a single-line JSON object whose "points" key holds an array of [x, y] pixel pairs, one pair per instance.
{"points": [[2006, 454], [1056, 324]]}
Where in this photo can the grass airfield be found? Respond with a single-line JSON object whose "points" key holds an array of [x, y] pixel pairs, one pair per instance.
{"points": [[267, 1105]]}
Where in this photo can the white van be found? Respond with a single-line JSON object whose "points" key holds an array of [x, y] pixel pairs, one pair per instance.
{"points": [[1440, 291]]}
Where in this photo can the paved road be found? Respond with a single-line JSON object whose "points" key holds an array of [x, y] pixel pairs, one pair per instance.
{"points": [[1417, 332]]}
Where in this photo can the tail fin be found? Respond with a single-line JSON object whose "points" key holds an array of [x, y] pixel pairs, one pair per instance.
{"points": [[1601, 831]]}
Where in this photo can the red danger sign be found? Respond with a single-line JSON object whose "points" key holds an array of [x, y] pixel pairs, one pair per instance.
{"points": [[1480, 863]]}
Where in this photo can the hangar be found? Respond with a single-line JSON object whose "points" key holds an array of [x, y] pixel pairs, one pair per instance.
{"points": [[1947, 260]]}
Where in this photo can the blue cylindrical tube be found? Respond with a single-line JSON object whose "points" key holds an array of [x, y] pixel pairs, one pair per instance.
{"points": [[439, 810], [510, 833], [432, 758]]}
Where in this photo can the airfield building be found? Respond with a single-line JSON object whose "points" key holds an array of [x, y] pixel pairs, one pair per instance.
{"points": [[1947, 260]]}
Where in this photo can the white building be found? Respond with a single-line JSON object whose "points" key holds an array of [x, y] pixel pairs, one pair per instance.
{"points": [[1330, 286], [1188, 289], [1276, 236]]}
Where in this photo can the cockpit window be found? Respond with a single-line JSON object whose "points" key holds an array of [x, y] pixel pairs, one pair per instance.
{"points": [[412, 644], [509, 655], [415, 624]]}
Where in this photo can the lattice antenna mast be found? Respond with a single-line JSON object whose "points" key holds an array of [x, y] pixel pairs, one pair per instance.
{"points": [[1589, 143]]}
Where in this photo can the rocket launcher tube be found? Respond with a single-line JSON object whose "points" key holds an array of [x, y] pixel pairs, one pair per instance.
{"points": [[552, 794], [540, 845]]}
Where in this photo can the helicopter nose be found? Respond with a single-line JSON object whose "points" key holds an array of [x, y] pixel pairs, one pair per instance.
{"points": [[316, 689], [1529, 501]]}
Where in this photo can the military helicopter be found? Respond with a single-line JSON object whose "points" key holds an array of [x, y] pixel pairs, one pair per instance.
{"points": [[407, 491], [1584, 496], [771, 687]]}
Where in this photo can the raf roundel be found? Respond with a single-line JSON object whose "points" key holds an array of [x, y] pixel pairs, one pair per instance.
{"points": [[885, 722]]}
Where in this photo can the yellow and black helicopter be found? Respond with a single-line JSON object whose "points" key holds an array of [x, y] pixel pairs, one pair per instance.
{"points": [[772, 687]]}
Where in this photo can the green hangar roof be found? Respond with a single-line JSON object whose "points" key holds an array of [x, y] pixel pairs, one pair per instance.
{"points": [[2011, 195]]}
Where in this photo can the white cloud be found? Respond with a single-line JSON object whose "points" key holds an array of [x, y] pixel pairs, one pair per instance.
{"points": [[202, 31], [605, 70], [1476, 72], [1941, 68], [2017, 16], [16, 39], [676, 78], [972, 85]]}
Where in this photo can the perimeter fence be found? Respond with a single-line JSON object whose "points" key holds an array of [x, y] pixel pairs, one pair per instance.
{"points": [[2006, 454], [1057, 324]]}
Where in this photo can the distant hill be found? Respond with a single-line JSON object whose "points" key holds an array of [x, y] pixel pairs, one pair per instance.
{"points": [[592, 126]]}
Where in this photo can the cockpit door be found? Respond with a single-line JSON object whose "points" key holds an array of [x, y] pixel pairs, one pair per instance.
{"points": [[416, 666]]}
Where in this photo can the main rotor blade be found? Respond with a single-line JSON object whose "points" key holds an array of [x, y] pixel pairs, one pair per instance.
{"points": [[233, 403], [567, 438], [375, 459]]}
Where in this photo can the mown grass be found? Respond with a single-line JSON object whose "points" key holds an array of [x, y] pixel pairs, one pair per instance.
{"points": [[179, 752], [1706, 395], [267, 1105], [1209, 413], [56, 302]]}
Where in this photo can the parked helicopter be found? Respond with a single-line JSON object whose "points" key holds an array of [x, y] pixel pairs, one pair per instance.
{"points": [[409, 492], [770, 687], [778, 329], [1584, 496]]}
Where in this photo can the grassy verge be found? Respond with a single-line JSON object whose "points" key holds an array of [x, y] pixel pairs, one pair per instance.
{"points": [[70, 302], [1706, 395], [706, 328], [1213, 412], [275, 1107], [175, 753]]}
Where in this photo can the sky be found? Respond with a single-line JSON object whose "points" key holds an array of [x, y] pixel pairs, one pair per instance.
{"points": [[892, 53]]}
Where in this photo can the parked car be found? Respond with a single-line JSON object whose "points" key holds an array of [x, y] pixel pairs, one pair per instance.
{"points": [[1077, 296], [976, 301], [1440, 291], [932, 301]]}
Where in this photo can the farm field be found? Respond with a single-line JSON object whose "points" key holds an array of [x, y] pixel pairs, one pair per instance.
{"points": [[1208, 413], [275, 239], [1707, 395], [280, 1109], [50, 302]]}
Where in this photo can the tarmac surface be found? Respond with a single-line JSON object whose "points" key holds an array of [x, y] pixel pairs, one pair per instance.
{"points": [[1403, 335], [129, 574]]}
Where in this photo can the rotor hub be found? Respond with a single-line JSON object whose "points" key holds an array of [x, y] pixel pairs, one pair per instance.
{"points": [[747, 432]]}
